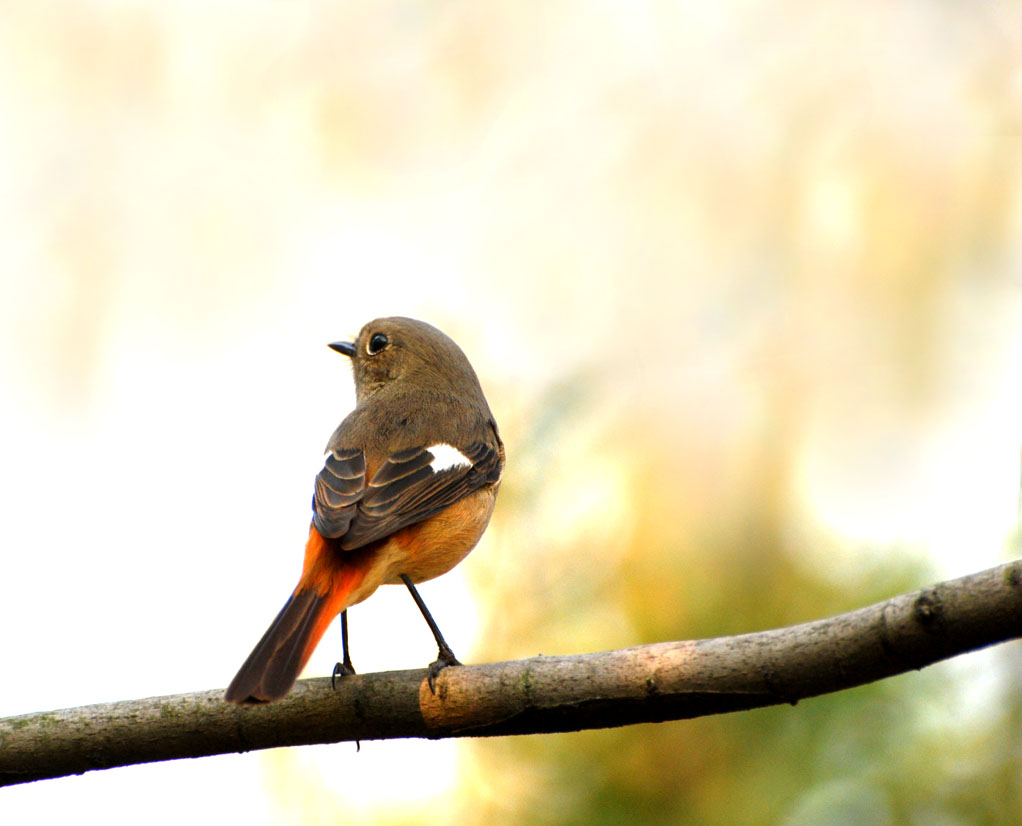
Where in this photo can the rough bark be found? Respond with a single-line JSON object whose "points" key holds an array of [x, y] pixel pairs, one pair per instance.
{"points": [[649, 683]]}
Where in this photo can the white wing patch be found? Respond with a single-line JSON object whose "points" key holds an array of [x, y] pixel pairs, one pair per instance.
{"points": [[446, 457]]}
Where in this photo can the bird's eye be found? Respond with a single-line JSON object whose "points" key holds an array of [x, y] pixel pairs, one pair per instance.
{"points": [[377, 341]]}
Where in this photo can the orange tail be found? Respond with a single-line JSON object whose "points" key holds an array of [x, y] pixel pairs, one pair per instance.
{"points": [[279, 657]]}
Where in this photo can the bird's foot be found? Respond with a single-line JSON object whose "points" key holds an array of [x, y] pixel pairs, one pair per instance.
{"points": [[344, 669], [445, 657]]}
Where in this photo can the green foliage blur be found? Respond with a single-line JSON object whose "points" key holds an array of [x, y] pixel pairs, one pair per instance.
{"points": [[922, 748]]}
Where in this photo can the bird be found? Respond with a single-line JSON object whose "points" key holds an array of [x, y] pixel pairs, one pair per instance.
{"points": [[406, 491]]}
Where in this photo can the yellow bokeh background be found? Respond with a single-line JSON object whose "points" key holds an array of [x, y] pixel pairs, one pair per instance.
{"points": [[743, 284]]}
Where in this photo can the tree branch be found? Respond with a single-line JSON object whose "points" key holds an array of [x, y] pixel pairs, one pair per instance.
{"points": [[649, 683]]}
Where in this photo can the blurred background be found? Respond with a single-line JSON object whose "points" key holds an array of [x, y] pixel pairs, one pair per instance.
{"points": [[743, 284]]}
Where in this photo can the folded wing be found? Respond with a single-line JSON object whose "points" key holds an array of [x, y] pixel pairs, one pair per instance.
{"points": [[409, 487]]}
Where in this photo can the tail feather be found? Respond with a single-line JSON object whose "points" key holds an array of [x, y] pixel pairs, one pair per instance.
{"points": [[279, 657]]}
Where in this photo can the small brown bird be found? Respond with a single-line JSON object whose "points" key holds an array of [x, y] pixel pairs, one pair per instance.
{"points": [[409, 484]]}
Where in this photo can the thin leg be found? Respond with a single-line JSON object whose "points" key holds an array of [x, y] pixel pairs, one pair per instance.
{"points": [[445, 656], [345, 668]]}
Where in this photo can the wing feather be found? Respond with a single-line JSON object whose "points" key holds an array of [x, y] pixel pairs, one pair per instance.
{"points": [[406, 490], [339, 488]]}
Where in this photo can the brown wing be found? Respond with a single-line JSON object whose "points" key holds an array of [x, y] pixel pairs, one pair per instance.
{"points": [[406, 489], [339, 487]]}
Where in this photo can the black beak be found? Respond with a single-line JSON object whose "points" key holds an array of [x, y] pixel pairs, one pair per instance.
{"points": [[345, 347]]}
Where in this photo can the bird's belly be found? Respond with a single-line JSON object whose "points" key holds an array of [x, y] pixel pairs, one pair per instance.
{"points": [[432, 547]]}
